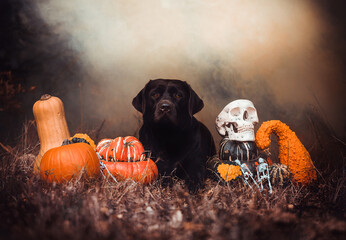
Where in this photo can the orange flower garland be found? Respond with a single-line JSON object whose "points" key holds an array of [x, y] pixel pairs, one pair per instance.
{"points": [[291, 151]]}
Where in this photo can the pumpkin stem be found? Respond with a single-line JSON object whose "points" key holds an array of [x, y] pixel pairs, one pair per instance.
{"points": [[45, 97]]}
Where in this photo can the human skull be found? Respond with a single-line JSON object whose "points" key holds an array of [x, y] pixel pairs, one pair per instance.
{"points": [[237, 120]]}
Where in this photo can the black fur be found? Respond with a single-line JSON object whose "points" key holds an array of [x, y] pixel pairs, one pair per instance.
{"points": [[180, 143]]}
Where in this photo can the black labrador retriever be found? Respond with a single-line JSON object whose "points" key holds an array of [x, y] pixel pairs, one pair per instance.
{"points": [[180, 143]]}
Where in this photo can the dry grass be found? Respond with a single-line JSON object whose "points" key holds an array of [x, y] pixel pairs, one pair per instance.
{"points": [[32, 209]]}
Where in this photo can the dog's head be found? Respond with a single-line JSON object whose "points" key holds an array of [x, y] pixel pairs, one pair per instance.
{"points": [[167, 102]]}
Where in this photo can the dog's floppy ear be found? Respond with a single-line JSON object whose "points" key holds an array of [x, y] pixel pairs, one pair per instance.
{"points": [[195, 103], [139, 101]]}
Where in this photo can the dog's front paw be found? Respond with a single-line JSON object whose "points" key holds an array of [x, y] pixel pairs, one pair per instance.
{"points": [[194, 185], [166, 181]]}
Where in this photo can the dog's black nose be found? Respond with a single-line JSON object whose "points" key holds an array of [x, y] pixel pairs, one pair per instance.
{"points": [[165, 107]]}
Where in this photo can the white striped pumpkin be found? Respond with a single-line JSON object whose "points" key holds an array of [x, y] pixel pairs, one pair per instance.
{"points": [[127, 149]]}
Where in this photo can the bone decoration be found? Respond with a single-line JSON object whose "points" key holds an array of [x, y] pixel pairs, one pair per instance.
{"points": [[237, 120]]}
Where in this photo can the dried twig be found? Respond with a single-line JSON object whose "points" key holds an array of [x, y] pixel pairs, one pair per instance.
{"points": [[7, 149]]}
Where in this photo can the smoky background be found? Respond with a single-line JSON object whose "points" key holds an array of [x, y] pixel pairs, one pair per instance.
{"points": [[287, 57]]}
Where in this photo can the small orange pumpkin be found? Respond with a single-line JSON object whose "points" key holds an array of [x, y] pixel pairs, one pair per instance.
{"points": [[120, 149], [142, 171], [62, 163]]}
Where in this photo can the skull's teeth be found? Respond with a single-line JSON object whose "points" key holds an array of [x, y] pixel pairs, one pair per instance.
{"points": [[244, 129]]}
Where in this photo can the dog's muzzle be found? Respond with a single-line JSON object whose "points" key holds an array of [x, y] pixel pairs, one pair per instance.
{"points": [[165, 112], [165, 106]]}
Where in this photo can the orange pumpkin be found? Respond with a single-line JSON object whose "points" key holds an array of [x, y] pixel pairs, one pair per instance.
{"points": [[142, 171], [62, 163], [120, 149]]}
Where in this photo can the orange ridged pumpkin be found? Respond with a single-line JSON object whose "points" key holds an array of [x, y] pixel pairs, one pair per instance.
{"points": [[141, 171], [292, 152], [120, 149], [63, 163]]}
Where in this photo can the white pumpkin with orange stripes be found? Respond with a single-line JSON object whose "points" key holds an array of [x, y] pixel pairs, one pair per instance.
{"points": [[128, 149]]}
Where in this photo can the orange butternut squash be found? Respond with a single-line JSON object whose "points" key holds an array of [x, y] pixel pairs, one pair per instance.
{"points": [[51, 125]]}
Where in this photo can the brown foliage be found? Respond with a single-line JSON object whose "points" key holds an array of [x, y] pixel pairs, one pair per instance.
{"points": [[10, 89], [101, 209]]}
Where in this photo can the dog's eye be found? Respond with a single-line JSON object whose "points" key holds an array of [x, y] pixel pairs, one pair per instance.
{"points": [[155, 95], [177, 95]]}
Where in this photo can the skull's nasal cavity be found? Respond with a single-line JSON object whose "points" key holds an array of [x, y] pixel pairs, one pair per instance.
{"points": [[245, 115]]}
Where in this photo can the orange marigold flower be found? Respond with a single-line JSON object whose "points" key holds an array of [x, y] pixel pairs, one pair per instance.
{"points": [[291, 151]]}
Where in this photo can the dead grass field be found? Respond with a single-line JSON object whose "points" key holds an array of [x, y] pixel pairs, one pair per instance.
{"points": [[32, 209]]}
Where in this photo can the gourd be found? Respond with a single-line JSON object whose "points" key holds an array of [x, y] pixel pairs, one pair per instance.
{"points": [[63, 163], [292, 152], [80, 137], [120, 149], [51, 125], [140, 171], [223, 170], [279, 174]]}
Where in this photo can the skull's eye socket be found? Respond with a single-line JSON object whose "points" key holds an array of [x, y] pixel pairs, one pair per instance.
{"points": [[155, 95], [251, 112], [235, 111]]}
